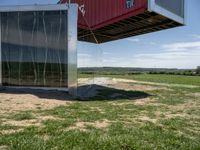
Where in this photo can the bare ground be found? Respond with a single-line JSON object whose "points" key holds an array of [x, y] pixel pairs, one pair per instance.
{"points": [[14, 102]]}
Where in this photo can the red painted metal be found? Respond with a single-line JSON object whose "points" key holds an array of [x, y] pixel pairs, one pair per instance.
{"points": [[100, 13]]}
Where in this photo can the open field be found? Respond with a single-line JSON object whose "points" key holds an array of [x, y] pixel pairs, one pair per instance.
{"points": [[127, 113], [159, 78]]}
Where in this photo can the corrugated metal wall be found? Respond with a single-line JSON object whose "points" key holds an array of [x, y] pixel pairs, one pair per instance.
{"points": [[99, 13]]}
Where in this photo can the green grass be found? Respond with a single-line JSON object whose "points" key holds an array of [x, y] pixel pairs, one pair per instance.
{"points": [[22, 116], [168, 119], [160, 78], [175, 79]]}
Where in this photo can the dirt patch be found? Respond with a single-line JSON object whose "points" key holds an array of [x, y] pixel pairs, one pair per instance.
{"points": [[197, 95], [147, 119], [45, 137], [129, 85], [142, 101], [79, 125], [31, 122], [185, 106], [102, 124], [10, 103], [4, 147], [22, 123], [97, 109], [44, 118], [170, 115]]}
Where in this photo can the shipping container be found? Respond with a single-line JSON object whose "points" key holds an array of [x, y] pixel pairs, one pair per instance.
{"points": [[111, 20]]}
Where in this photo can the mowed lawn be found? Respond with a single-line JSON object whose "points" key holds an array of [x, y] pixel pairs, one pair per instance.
{"points": [[166, 117]]}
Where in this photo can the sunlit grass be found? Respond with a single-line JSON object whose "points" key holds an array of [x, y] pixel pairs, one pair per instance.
{"points": [[167, 118]]}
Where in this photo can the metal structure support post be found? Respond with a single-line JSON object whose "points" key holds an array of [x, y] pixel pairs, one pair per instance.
{"points": [[0, 55]]}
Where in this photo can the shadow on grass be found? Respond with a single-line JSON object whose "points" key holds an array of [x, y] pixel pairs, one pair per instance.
{"points": [[102, 93], [85, 93]]}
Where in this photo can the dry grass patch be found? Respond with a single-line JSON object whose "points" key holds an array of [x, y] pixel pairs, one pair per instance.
{"points": [[82, 126], [147, 119], [142, 101], [97, 109], [45, 137], [196, 95], [10, 103], [185, 106], [10, 131], [4, 147], [23, 123], [37, 121], [135, 87]]}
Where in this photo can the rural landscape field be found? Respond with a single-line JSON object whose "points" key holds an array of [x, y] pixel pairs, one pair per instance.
{"points": [[132, 111]]}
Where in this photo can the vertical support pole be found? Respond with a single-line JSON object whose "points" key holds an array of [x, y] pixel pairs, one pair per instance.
{"points": [[0, 55], [72, 21]]}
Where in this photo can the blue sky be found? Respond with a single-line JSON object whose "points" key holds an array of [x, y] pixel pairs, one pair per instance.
{"points": [[173, 48]]}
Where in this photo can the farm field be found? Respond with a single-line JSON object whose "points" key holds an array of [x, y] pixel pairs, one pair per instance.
{"points": [[127, 113]]}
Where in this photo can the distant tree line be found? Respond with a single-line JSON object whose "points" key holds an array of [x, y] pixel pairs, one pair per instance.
{"points": [[186, 72], [182, 72], [136, 71]]}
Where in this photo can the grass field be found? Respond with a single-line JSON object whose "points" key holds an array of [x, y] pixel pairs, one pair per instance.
{"points": [[157, 78], [166, 117]]}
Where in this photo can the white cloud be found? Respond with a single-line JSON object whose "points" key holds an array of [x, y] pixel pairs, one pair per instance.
{"points": [[83, 55], [112, 60], [196, 36], [133, 40], [89, 60], [175, 55], [182, 46], [107, 53], [152, 43]]}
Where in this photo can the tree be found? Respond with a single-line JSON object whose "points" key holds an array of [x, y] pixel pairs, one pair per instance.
{"points": [[198, 70]]}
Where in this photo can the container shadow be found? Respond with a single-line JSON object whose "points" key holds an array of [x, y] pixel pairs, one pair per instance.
{"points": [[85, 93], [103, 93]]}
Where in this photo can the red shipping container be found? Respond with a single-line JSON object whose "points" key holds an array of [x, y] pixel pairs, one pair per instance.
{"points": [[99, 13], [116, 19]]}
